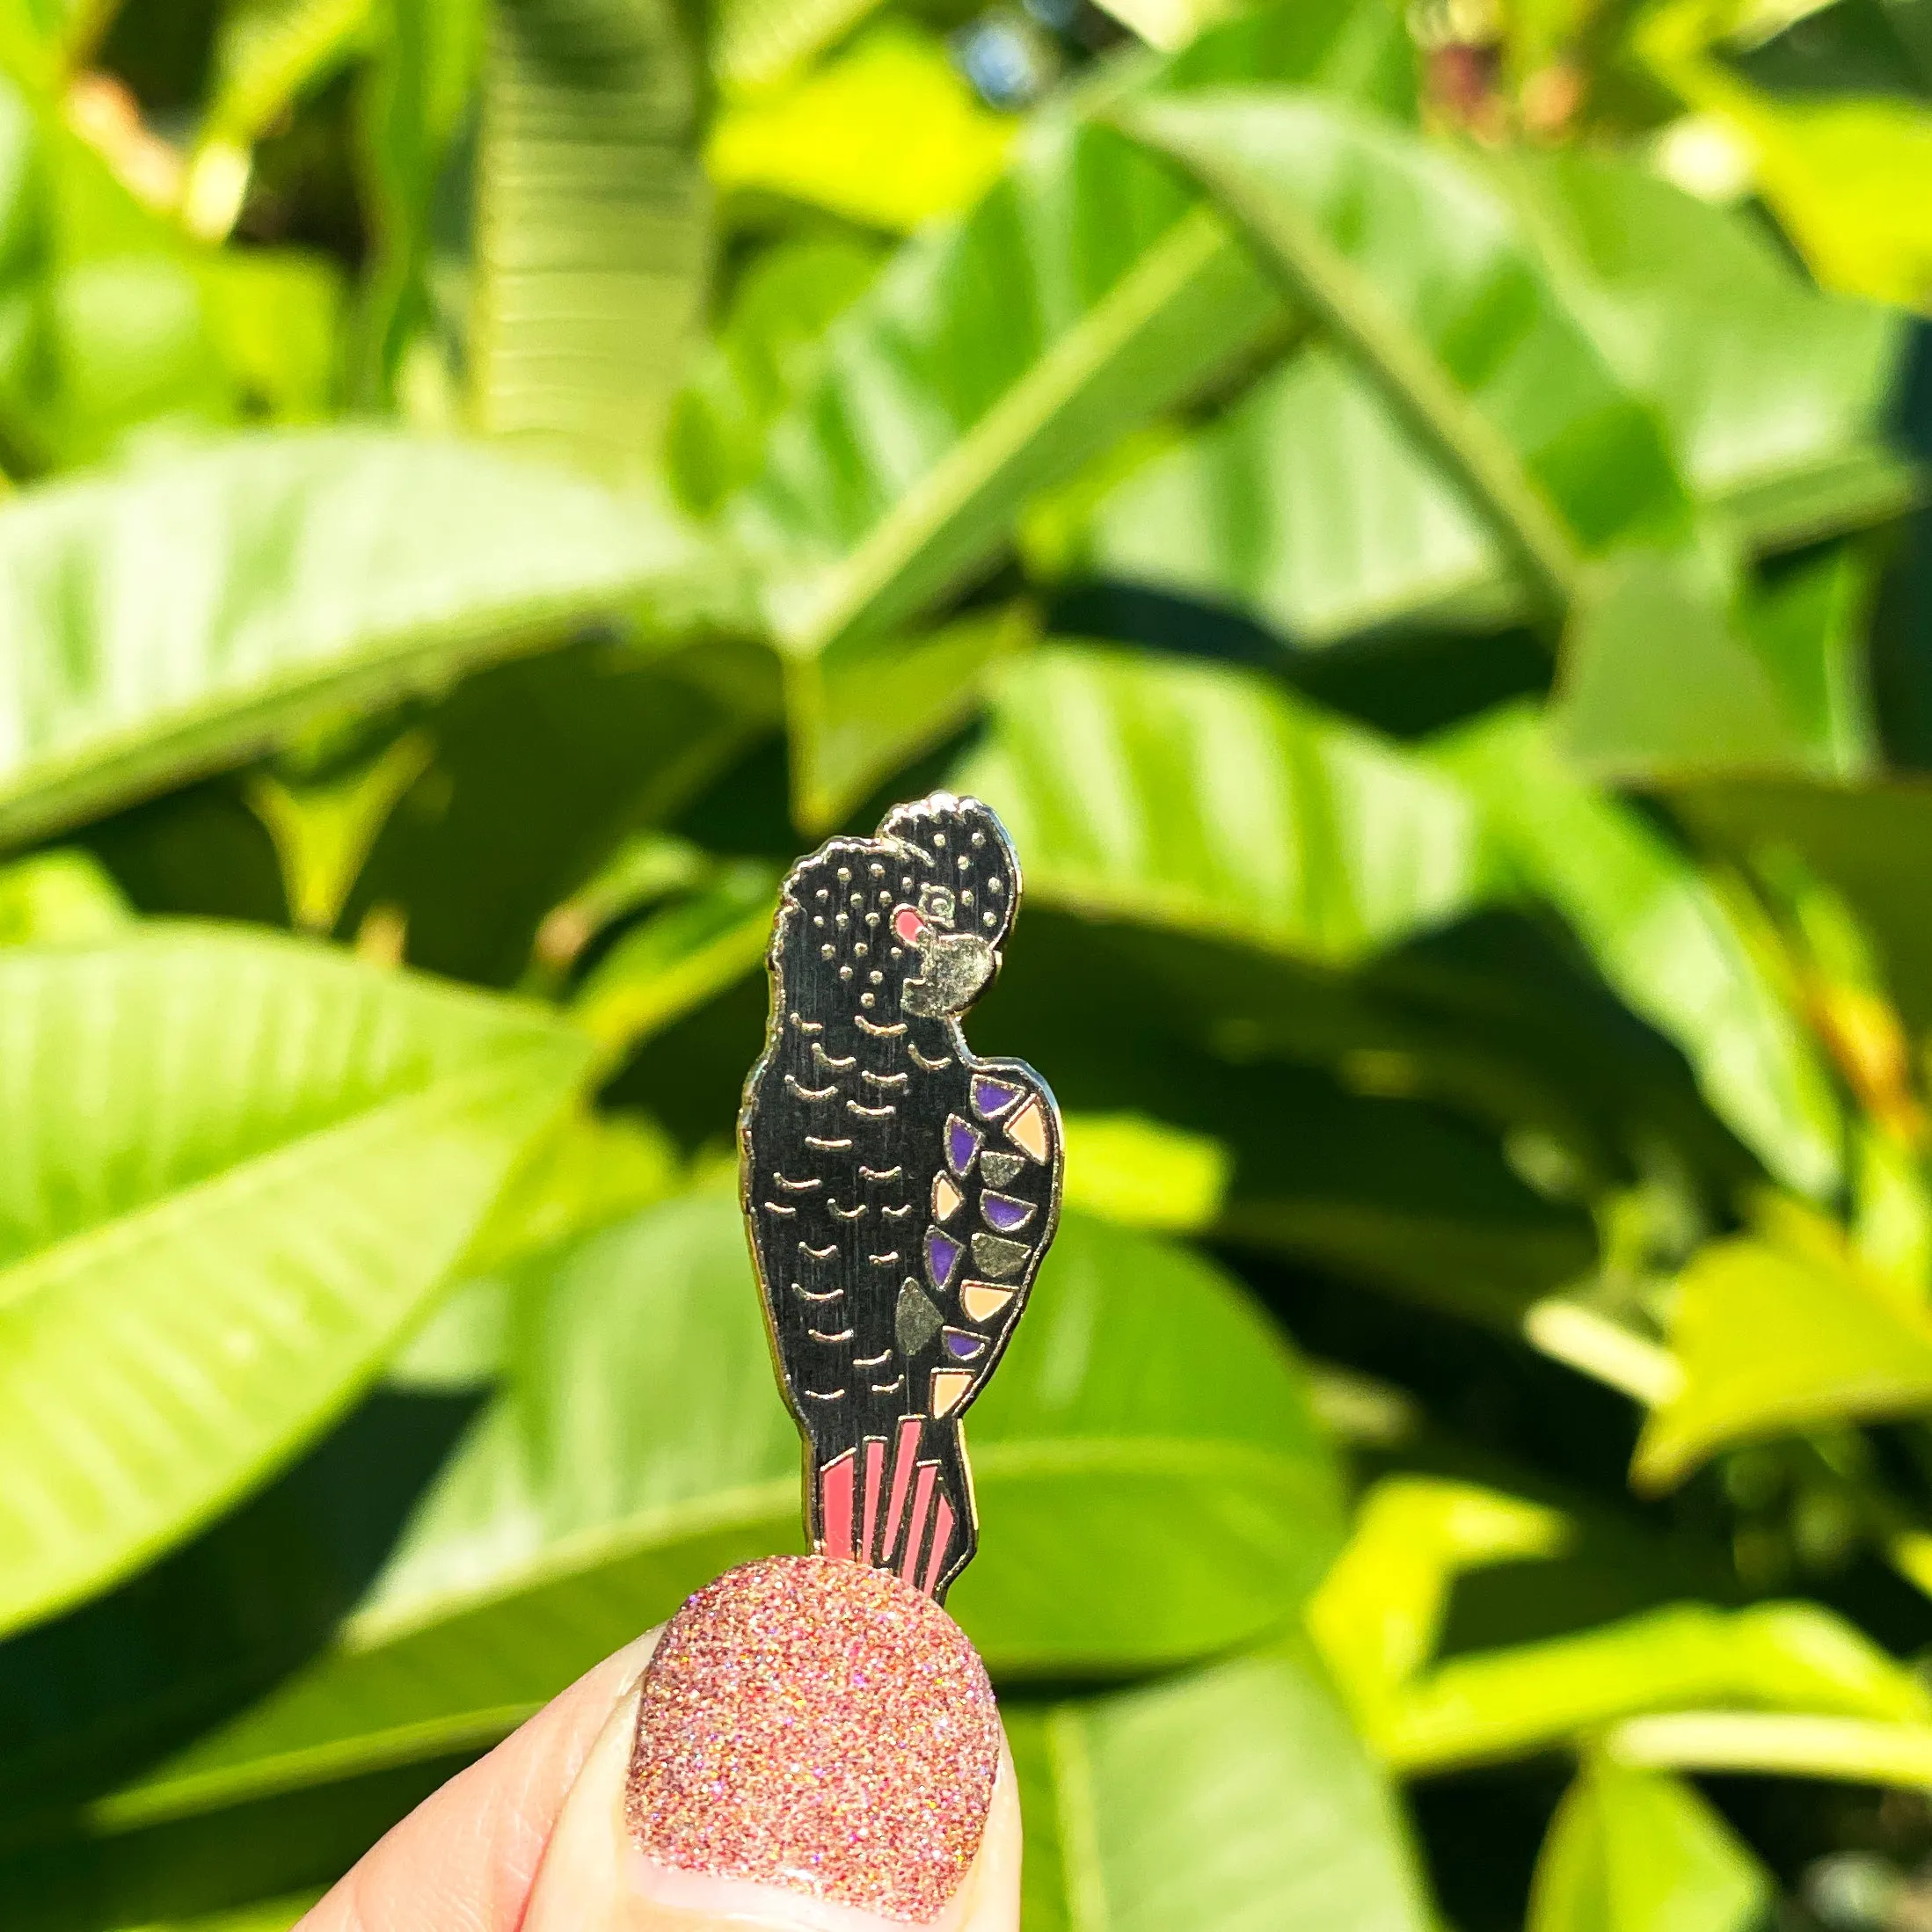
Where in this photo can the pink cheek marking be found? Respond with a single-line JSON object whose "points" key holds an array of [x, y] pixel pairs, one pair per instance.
{"points": [[908, 925]]}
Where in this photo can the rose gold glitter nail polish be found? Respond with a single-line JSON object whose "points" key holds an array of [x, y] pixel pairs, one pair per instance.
{"points": [[819, 1726]]}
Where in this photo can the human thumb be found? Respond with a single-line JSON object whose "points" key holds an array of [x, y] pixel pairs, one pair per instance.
{"points": [[813, 1748]]}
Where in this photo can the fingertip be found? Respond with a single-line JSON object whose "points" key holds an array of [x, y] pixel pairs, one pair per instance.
{"points": [[733, 1786]]}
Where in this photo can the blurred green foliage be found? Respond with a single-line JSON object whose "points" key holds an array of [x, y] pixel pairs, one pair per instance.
{"points": [[1412, 519]]}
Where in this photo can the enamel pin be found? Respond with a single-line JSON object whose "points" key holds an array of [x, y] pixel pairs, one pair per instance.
{"points": [[899, 1192]]}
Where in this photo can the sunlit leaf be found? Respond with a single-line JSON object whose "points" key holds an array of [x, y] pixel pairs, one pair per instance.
{"points": [[1208, 800], [985, 365], [1238, 1797], [592, 238], [1485, 1706], [1631, 1851], [301, 1221], [889, 134], [677, 957], [866, 704], [1778, 1330], [1403, 253], [1144, 1173], [179, 614], [60, 898], [1378, 1612]]}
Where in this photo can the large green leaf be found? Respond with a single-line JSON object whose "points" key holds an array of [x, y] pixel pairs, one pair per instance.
{"points": [[1151, 1480], [1485, 1706], [1086, 292], [592, 243], [1235, 1799], [1414, 264], [1775, 395], [235, 1168], [1663, 936], [182, 613], [1209, 801], [1309, 506], [1631, 1851]]}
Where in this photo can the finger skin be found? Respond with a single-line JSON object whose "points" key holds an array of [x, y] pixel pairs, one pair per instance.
{"points": [[465, 1858], [594, 1879]]}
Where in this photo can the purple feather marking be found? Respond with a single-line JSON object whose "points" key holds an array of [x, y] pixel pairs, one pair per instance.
{"points": [[992, 1097], [942, 1256], [962, 1144]]}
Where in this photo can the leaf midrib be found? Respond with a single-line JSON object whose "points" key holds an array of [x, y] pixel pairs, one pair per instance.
{"points": [[1005, 431], [41, 791], [220, 1194], [1402, 366]]}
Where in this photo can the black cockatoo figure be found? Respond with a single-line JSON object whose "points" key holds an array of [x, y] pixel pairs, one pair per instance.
{"points": [[899, 1192]]}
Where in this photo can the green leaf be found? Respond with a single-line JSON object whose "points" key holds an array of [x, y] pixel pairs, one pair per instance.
{"points": [[301, 1222], [1408, 258], [63, 898], [1661, 936], [1086, 292], [1310, 507], [1378, 1613], [1772, 1333], [1206, 800], [413, 99], [866, 704], [768, 349], [759, 42], [889, 135], [1776, 397], [1143, 1173], [273, 316], [1631, 1851], [593, 244], [1238, 1797], [179, 615], [1666, 667], [678, 958], [1857, 1750], [1139, 1510], [1486, 1706]]}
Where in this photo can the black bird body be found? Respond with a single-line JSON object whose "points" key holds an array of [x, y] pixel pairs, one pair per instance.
{"points": [[900, 1190]]}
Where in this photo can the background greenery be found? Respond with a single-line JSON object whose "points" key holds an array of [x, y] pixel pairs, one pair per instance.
{"points": [[1411, 520]]}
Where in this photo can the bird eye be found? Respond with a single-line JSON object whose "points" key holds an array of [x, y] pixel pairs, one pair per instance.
{"points": [[936, 903]]}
